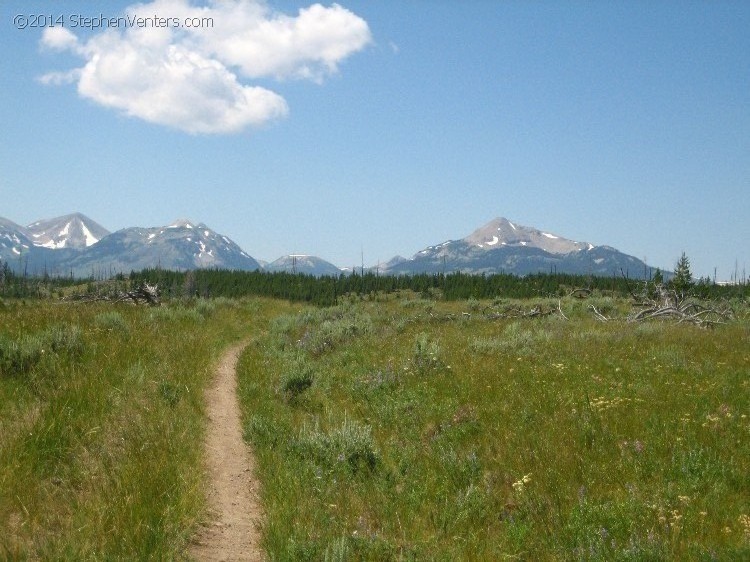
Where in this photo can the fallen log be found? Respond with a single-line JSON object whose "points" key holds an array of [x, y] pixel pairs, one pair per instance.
{"points": [[149, 294]]}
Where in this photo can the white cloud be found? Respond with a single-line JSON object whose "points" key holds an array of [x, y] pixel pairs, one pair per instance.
{"points": [[178, 88], [187, 78], [310, 45], [59, 39], [60, 78]]}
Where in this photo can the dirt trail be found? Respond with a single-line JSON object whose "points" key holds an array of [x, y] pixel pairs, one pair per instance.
{"points": [[233, 494]]}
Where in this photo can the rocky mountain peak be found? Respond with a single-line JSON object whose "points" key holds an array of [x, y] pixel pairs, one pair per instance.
{"points": [[502, 232], [75, 230]]}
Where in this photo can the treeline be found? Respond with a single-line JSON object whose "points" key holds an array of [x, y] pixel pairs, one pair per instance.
{"points": [[23, 286], [326, 290]]}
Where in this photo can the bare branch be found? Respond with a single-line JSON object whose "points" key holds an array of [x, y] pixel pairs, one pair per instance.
{"points": [[598, 315]]}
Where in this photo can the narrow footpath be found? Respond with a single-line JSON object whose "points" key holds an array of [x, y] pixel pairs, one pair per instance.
{"points": [[233, 496]]}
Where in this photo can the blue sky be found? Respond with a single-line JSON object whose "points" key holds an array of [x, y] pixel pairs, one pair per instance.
{"points": [[383, 127]]}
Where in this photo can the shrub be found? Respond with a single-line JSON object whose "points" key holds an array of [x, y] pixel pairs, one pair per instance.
{"points": [[111, 322], [382, 378], [284, 324], [333, 332], [263, 433], [473, 304], [515, 339], [487, 346], [426, 354], [297, 378], [409, 303], [604, 304], [19, 357], [63, 339], [400, 324], [205, 307], [351, 445]]}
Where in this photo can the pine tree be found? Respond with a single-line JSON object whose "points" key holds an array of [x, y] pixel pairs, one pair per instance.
{"points": [[658, 277], [683, 278]]}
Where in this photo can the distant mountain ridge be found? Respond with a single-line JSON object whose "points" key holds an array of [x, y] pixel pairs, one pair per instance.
{"points": [[502, 246], [303, 263], [76, 245], [181, 245]]}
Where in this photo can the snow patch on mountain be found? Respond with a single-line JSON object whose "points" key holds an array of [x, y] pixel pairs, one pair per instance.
{"points": [[69, 231], [76, 244], [181, 223], [88, 235], [502, 246]]}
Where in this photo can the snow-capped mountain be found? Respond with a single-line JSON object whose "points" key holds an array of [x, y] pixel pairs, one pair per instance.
{"points": [[502, 246], [67, 246], [14, 239], [70, 231], [502, 232], [76, 245], [302, 263], [180, 245]]}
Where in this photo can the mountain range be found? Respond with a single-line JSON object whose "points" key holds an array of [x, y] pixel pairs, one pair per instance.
{"points": [[76, 245], [502, 246]]}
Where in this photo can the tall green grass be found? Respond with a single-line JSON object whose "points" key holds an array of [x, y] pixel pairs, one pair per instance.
{"points": [[388, 429], [479, 439], [101, 425]]}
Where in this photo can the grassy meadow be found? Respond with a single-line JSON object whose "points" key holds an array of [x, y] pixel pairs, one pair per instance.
{"points": [[421, 430], [385, 428], [101, 424]]}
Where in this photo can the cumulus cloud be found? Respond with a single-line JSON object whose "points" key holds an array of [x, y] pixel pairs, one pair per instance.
{"points": [[195, 78], [59, 39], [309, 45]]}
